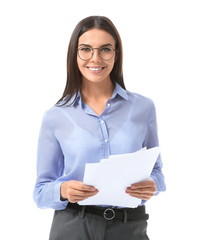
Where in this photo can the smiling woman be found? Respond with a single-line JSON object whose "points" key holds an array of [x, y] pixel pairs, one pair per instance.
{"points": [[80, 34], [95, 118], [96, 61]]}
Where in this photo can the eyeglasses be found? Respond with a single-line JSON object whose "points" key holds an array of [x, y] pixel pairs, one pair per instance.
{"points": [[105, 52]]}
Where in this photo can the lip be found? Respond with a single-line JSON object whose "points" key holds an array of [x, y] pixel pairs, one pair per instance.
{"points": [[95, 69], [95, 66]]}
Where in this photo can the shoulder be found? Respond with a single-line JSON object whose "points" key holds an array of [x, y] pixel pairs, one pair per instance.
{"points": [[141, 106], [55, 113], [140, 100], [52, 110]]}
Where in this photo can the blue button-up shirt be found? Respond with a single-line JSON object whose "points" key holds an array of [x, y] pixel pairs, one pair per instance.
{"points": [[72, 136]]}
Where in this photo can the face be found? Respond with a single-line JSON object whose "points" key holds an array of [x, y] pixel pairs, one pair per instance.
{"points": [[96, 69]]}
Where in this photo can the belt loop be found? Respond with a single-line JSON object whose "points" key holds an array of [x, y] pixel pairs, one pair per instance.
{"points": [[82, 212], [125, 216]]}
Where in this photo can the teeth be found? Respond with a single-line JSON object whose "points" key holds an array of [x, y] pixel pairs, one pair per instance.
{"points": [[95, 69]]}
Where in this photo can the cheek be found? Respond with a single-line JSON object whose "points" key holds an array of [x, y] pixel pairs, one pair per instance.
{"points": [[81, 64], [78, 62], [110, 66]]}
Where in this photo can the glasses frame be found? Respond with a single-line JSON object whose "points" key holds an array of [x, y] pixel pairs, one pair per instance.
{"points": [[93, 53]]}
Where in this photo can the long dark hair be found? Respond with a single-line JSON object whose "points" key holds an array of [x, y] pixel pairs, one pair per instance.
{"points": [[74, 77]]}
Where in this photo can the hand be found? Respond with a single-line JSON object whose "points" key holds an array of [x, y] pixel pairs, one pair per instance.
{"points": [[76, 191], [142, 190]]}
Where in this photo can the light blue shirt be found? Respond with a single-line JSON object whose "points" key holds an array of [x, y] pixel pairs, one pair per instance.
{"points": [[72, 136]]}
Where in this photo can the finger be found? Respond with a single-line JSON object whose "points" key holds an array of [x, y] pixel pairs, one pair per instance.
{"points": [[76, 198], [146, 184], [141, 195], [142, 190], [78, 193], [81, 186], [87, 188]]}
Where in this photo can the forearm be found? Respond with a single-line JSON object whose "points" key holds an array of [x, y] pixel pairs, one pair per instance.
{"points": [[47, 195], [158, 177]]}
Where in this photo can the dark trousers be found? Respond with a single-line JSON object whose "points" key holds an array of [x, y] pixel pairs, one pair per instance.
{"points": [[71, 224]]}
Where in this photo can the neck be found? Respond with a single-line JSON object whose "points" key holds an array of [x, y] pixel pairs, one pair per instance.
{"points": [[97, 91]]}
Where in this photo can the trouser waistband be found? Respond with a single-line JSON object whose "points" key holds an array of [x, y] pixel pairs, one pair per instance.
{"points": [[123, 214]]}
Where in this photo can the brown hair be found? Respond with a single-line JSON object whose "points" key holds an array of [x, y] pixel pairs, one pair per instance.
{"points": [[74, 77]]}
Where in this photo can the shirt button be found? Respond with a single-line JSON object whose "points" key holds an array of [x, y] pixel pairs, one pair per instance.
{"points": [[106, 140], [108, 104], [102, 121]]}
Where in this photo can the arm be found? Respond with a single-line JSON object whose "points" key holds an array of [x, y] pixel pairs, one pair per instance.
{"points": [[151, 140], [156, 184], [52, 190], [50, 165]]}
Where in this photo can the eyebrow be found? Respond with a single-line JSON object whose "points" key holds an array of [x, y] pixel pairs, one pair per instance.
{"points": [[105, 45]]}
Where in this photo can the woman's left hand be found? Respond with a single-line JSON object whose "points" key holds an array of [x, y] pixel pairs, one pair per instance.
{"points": [[142, 190]]}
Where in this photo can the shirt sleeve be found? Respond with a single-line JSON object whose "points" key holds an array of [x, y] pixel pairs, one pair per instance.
{"points": [[50, 167], [151, 140]]}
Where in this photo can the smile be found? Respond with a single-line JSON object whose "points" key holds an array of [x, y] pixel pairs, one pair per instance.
{"points": [[95, 69]]}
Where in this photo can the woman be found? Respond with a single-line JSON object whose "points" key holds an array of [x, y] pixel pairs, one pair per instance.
{"points": [[95, 117]]}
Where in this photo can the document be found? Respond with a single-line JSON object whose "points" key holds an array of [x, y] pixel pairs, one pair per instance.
{"points": [[113, 175]]}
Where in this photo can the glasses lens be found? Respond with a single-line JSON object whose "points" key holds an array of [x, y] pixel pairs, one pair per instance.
{"points": [[85, 53], [106, 53]]}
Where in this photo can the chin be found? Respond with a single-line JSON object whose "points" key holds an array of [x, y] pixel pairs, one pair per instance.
{"points": [[96, 80]]}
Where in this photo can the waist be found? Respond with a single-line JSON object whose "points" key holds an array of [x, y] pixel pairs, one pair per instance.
{"points": [[125, 214]]}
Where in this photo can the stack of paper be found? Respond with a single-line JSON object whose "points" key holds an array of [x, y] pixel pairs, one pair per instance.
{"points": [[113, 175]]}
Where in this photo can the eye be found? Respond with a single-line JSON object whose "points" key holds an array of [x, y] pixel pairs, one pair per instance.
{"points": [[106, 49], [85, 49]]}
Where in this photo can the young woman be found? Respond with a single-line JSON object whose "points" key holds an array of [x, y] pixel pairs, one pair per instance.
{"points": [[95, 117]]}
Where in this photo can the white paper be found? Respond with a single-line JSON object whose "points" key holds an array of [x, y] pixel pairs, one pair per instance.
{"points": [[113, 175]]}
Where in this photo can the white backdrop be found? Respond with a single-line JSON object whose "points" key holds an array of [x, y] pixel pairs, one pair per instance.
{"points": [[163, 60]]}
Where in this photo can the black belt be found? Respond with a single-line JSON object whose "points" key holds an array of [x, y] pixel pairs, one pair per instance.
{"points": [[133, 214]]}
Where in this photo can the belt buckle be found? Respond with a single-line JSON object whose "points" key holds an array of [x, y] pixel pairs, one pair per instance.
{"points": [[111, 212]]}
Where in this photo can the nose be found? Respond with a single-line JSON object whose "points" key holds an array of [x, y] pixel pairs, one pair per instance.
{"points": [[95, 56]]}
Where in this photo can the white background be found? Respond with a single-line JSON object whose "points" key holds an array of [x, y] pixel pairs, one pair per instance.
{"points": [[163, 60]]}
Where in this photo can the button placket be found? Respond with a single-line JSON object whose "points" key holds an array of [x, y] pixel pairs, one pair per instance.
{"points": [[107, 108], [105, 137]]}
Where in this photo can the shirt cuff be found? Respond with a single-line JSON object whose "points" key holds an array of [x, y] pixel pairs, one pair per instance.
{"points": [[154, 179], [61, 204]]}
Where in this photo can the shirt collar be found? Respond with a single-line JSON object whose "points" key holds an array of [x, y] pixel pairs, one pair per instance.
{"points": [[118, 90]]}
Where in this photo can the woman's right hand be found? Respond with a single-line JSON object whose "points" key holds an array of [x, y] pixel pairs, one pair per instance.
{"points": [[76, 191]]}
